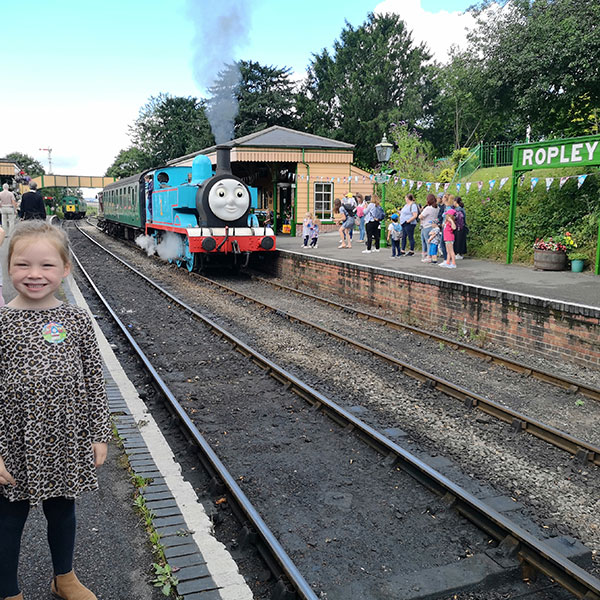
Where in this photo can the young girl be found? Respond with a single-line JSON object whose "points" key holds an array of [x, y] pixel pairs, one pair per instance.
{"points": [[449, 227], [306, 226], [314, 234], [54, 419]]}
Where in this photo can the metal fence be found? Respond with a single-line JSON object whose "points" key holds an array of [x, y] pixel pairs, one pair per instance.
{"points": [[495, 154]]}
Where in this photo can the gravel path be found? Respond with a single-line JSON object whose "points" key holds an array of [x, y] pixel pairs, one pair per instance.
{"points": [[560, 493]]}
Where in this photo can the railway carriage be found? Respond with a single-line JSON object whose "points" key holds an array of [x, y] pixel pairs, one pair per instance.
{"points": [[207, 214]]}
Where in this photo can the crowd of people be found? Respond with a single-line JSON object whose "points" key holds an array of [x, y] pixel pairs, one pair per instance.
{"points": [[442, 225]]}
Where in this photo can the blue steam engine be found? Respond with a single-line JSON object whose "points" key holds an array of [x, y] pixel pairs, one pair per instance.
{"points": [[208, 215]]}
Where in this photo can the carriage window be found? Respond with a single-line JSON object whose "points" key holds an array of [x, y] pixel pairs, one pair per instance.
{"points": [[324, 200], [162, 178]]}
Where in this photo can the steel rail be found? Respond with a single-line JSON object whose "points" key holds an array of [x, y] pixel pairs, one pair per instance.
{"points": [[523, 544], [552, 435], [565, 383], [285, 563]]}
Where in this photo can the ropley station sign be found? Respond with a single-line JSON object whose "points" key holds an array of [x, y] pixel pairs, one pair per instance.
{"points": [[575, 152]]}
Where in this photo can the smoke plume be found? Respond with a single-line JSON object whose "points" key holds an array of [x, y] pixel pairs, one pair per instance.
{"points": [[221, 28]]}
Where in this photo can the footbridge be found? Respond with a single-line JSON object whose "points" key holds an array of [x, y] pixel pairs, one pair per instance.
{"points": [[71, 181]]}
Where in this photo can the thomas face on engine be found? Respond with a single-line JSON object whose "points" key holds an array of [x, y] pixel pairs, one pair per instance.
{"points": [[228, 199]]}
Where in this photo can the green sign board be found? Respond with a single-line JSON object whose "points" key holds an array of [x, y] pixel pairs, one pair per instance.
{"points": [[574, 152]]}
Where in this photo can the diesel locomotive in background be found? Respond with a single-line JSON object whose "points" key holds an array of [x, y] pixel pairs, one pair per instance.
{"points": [[208, 213]]}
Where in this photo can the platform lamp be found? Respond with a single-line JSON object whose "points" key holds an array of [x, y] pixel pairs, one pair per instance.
{"points": [[384, 152]]}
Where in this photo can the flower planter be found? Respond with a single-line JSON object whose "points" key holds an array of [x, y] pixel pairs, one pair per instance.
{"points": [[549, 260], [577, 265]]}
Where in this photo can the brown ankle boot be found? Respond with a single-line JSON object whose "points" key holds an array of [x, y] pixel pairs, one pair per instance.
{"points": [[68, 587], [17, 597]]}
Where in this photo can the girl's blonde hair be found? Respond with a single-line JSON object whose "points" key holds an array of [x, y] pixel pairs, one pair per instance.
{"points": [[30, 231]]}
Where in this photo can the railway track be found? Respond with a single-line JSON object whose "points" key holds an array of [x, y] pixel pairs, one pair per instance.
{"points": [[584, 450], [538, 554]]}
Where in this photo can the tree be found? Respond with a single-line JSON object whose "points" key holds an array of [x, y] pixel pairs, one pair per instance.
{"points": [[169, 127], [540, 58], [32, 167], [375, 76], [263, 96], [129, 162]]}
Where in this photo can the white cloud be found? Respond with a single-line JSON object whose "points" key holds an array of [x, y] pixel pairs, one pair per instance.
{"points": [[438, 30]]}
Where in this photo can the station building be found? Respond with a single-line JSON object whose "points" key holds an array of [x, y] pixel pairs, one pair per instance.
{"points": [[294, 173]]}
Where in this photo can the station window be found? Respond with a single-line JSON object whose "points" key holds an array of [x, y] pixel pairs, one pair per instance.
{"points": [[324, 200]]}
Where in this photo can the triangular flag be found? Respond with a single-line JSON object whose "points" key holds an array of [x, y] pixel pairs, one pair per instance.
{"points": [[403, 182], [549, 181], [410, 184], [492, 183], [458, 187], [396, 180], [580, 180], [562, 181], [534, 181], [502, 182], [437, 186], [428, 185], [479, 185], [468, 186], [522, 180], [419, 185], [356, 178], [446, 186]]}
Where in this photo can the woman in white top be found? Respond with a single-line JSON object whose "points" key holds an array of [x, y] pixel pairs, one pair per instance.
{"points": [[408, 220], [426, 219]]}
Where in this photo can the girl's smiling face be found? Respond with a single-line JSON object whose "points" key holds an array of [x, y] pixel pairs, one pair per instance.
{"points": [[37, 269]]}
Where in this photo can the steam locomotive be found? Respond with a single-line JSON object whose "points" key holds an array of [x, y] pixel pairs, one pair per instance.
{"points": [[202, 217]]}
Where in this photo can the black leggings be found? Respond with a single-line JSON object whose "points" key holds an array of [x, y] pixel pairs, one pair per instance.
{"points": [[372, 234], [60, 514]]}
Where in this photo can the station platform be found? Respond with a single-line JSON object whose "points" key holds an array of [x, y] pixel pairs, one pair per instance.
{"points": [[559, 286], [113, 553]]}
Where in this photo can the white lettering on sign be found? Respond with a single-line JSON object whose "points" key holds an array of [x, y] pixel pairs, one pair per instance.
{"points": [[528, 156], [575, 156], [590, 148], [563, 157], [552, 153]]}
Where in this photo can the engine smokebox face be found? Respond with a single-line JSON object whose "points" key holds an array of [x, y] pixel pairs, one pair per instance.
{"points": [[225, 201]]}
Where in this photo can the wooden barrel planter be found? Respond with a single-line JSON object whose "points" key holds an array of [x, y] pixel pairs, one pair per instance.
{"points": [[548, 260]]}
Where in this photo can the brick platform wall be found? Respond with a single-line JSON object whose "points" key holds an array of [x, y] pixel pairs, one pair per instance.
{"points": [[553, 329]]}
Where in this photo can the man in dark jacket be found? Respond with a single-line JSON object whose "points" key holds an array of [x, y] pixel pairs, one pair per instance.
{"points": [[32, 204]]}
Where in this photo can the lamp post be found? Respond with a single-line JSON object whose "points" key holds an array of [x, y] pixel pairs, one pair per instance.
{"points": [[384, 152]]}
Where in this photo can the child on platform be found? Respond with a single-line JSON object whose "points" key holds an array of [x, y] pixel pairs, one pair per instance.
{"points": [[54, 418], [394, 234], [306, 226], [448, 236], [314, 233], [433, 243]]}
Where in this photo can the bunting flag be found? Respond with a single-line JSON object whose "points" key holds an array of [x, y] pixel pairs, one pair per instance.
{"points": [[458, 187], [395, 181], [580, 180], [502, 182], [479, 185], [446, 186], [549, 181], [492, 183], [419, 185], [356, 178], [522, 180], [562, 181], [468, 186], [437, 186], [404, 183], [534, 181], [428, 185], [410, 184]]}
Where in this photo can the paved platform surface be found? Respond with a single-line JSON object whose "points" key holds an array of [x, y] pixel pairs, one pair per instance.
{"points": [[562, 286], [113, 555]]}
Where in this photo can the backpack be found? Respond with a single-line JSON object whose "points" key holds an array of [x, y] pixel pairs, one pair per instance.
{"points": [[396, 232], [350, 209], [378, 213], [459, 219]]}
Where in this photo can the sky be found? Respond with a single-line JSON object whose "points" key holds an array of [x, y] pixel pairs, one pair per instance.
{"points": [[77, 73]]}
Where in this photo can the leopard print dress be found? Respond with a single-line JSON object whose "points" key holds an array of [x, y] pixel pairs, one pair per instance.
{"points": [[53, 402]]}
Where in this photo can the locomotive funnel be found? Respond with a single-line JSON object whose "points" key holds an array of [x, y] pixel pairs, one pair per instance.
{"points": [[223, 160]]}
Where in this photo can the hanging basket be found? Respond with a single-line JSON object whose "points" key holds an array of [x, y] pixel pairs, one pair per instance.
{"points": [[549, 260]]}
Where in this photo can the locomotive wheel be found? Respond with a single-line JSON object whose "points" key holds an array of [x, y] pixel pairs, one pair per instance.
{"points": [[188, 259]]}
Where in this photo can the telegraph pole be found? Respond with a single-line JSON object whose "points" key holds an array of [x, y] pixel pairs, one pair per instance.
{"points": [[49, 151]]}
